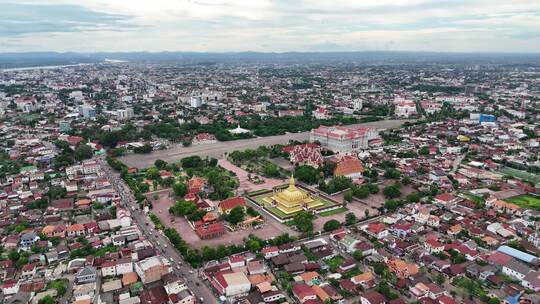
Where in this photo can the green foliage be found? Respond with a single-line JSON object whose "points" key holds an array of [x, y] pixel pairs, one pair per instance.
{"points": [[60, 285], [392, 205], [271, 170], [385, 291], [392, 173], [306, 174], [413, 197], [180, 189], [181, 208], [331, 225], [304, 221], [38, 204], [145, 149], [348, 196], [361, 192], [117, 152], [152, 173], [156, 221], [236, 215], [338, 183], [474, 288], [424, 150], [456, 257], [47, 300], [391, 191], [350, 218], [160, 164], [252, 212], [56, 192], [83, 152]]}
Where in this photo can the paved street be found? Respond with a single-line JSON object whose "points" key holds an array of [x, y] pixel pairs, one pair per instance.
{"points": [[160, 242], [218, 149]]}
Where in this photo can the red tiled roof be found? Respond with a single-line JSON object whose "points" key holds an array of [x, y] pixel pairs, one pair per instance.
{"points": [[349, 166], [445, 197], [232, 202]]}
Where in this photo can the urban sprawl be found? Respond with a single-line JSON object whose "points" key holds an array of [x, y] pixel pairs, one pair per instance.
{"points": [[252, 183]]}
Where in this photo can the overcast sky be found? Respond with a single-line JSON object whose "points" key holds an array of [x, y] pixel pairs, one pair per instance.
{"points": [[270, 25]]}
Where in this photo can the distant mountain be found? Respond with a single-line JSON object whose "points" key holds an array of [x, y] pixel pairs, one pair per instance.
{"points": [[9, 60]]}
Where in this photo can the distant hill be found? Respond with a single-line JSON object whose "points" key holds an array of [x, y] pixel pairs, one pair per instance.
{"points": [[10, 60]]}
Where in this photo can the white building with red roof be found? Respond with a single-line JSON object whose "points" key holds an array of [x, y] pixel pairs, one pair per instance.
{"points": [[406, 109], [321, 113], [342, 139]]}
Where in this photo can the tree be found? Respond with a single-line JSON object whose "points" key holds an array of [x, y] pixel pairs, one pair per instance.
{"points": [[350, 218], [56, 192], [413, 197], [361, 192], [373, 188], [47, 300], [306, 174], [180, 189], [209, 253], [494, 301], [144, 149], [152, 173], [358, 255], [439, 279], [252, 212], [270, 170], [83, 152], [160, 164], [303, 221], [392, 205], [348, 196], [392, 173], [181, 208], [186, 142], [14, 255], [331, 225], [236, 215], [424, 150], [391, 191], [167, 182], [406, 180]]}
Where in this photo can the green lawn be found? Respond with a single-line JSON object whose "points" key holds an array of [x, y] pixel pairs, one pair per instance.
{"points": [[534, 178], [332, 212], [526, 201]]}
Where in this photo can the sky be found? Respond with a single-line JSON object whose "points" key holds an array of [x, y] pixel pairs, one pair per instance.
{"points": [[270, 25]]}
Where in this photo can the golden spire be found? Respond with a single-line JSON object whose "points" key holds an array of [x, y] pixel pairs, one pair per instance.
{"points": [[291, 182]]}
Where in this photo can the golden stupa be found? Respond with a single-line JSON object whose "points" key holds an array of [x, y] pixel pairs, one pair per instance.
{"points": [[292, 199]]}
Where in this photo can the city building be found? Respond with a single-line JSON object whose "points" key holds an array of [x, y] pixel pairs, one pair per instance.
{"points": [[342, 139]]}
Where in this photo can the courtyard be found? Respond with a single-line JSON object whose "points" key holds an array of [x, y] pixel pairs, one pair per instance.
{"points": [[162, 201]]}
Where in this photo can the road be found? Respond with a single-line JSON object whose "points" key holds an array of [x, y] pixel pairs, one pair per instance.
{"points": [[158, 240], [218, 149]]}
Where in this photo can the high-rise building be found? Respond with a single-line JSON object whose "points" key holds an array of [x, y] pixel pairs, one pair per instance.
{"points": [[87, 111]]}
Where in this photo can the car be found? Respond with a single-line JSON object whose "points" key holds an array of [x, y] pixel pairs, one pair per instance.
{"points": [[202, 299], [197, 283], [191, 271]]}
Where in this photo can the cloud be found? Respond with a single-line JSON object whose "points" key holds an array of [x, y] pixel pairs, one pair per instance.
{"points": [[21, 19], [270, 25]]}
